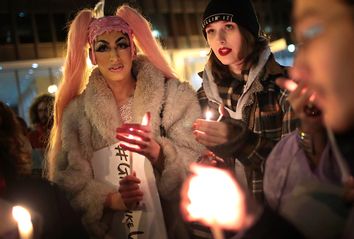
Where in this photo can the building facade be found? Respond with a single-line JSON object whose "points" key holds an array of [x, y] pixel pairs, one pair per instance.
{"points": [[33, 33]]}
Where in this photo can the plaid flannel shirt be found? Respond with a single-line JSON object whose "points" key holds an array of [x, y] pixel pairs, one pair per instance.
{"points": [[268, 118]]}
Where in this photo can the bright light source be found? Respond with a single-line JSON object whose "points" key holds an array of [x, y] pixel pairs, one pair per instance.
{"points": [[1, 68], [23, 219], [52, 89], [203, 53], [208, 115], [34, 65], [156, 33], [89, 63], [289, 29], [204, 190], [291, 48]]}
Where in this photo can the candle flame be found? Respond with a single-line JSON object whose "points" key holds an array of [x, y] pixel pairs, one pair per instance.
{"points": [[290, 85], [146, 119], [208, 115], [23, 219], [214, 198]]}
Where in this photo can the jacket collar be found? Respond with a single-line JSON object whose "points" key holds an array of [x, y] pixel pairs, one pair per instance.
{"points": [[257, 75]]}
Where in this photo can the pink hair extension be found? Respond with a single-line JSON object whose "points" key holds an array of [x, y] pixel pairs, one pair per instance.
{"points": [[73, 81], [145, 40]]}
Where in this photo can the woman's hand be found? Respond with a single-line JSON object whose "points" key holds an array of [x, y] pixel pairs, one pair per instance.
{"points": [[208, 158], [138, 138], [128, 196], [211, 133], [300, 100], [130, 191]]}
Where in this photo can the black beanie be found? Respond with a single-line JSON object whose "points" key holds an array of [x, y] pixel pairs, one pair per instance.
{"points": [[238, 11]]}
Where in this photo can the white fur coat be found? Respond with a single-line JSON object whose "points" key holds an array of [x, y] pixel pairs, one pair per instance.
{"points": [[90, 122]]}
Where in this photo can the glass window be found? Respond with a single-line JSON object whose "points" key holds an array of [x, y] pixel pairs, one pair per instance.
{"points": [[43, 27], [181, 26], [24, 27], [8, 89], [6, 35], [60, 22], [193, 24], [168, 21]]}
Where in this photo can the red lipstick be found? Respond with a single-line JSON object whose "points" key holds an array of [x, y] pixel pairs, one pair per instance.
{"points": [[224, 51]]}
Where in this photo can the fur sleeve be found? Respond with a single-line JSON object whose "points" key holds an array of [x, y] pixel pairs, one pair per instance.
{"points": [[180, 148], [73, 168]]}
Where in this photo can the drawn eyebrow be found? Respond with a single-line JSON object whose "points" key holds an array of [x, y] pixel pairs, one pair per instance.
{"points": [[121, 38]]}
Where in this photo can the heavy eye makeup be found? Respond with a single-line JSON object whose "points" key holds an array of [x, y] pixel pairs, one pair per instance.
{"points": [[308, 30], [120, 43]]}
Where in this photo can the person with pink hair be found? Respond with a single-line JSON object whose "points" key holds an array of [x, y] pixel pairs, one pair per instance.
{"points": [[118, 92]]}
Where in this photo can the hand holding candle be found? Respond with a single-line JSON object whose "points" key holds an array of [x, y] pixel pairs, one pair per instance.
{"points": [[130, 191], [210, 132], [212, 197], [138, 138]]}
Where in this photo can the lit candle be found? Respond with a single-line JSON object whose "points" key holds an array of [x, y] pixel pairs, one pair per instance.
{"points": [[208, 115], [214, 199], [24, 223], [131, 154], [146, 119]]}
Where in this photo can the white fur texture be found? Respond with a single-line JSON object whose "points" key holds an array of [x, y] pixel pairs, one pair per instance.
{"points": [[90, 122]]}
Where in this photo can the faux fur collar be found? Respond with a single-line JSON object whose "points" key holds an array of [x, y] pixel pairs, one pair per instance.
{"points": [[100, 105]]}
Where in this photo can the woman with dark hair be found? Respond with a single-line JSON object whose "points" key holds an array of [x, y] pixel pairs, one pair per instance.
{"points": [[52, 215], [325, 30], [239, 79], [15, 151]]}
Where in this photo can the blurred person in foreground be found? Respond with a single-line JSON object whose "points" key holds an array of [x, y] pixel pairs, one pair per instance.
{"points": [[324, 30], [52, 215]]}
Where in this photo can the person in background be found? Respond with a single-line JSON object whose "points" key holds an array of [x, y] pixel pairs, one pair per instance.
{"points": [[41, 116], [52, 215], [120, 90]]}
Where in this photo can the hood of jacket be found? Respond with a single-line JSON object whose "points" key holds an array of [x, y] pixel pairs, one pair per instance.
{"points": [[252, 86]]}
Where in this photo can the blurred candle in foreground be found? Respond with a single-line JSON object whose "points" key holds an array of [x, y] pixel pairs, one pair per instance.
{"points": [[24, 223], [214, 199]]}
